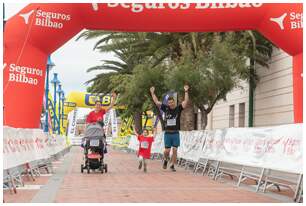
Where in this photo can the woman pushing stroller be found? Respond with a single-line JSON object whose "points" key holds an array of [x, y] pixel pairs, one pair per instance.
{"points": [[97, 115], [94, 141]]}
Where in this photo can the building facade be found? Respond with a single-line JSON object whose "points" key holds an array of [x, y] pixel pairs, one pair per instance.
{"points": [[273, 98]]}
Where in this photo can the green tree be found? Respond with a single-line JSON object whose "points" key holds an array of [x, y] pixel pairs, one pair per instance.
{"points": [[211, 75], [134, 90], [201, 59]]}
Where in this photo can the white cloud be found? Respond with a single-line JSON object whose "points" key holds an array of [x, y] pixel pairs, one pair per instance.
{"points": [[12, 8], [73, 59]]}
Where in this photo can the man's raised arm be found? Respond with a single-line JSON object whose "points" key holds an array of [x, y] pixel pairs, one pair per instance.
{"points": [[113, 100], [156, 101], [186, 98]]}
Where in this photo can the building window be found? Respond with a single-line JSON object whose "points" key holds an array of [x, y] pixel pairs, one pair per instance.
{"points": [[232, 116], [242, 115]]}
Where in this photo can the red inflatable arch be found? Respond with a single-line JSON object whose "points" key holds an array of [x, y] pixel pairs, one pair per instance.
{"points": [[40, 29]]}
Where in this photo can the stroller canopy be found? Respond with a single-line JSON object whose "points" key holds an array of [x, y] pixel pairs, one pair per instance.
{"points": [[94, 131]]}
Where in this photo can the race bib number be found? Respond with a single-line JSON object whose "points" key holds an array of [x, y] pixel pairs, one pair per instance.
{"points": [[94, 143], [171, 122], [144, 145]]}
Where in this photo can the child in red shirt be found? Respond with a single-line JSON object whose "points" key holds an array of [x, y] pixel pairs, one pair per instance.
{"points": [[144, 151]]}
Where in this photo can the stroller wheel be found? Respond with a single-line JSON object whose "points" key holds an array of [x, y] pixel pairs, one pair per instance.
{"points": [[101, 169], [82, 168], [105, 168], [88, 169]]}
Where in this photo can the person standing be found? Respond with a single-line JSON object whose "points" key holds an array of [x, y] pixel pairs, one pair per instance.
{"points": [[172, 125], [97, 115]]}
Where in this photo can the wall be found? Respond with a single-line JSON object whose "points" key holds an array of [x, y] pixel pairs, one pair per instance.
{"points": [[273, 100]]}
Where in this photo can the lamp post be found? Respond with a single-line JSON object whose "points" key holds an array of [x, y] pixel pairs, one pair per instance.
{"points": [[252, 81], [3, 16], [59, 91], [63, 104], [50, 64], [55, 82]]}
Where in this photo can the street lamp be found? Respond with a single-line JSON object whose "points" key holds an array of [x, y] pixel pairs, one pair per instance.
{"points": [[50, 65], [59, 91], [252, 81], [55, 82], [63, 104], [3, 17]]}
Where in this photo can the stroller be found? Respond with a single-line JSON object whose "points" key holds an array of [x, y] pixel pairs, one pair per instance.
{"points": [[93, 144]]}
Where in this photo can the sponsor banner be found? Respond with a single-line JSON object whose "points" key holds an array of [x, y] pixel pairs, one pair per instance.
{"points": [[191, 144], [213, 144], [126, 127], [21, 146], [278, 148], [121, 141], [158, 144], [72, 118], [107, 124], [285, 148], [134, 143], [114, 123]]}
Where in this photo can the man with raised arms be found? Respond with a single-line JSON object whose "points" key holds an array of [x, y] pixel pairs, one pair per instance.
{"points": [[172, 125]]}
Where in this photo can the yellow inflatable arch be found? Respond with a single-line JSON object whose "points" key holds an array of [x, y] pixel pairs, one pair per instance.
{"points": [[87, 100], [84, 100]]}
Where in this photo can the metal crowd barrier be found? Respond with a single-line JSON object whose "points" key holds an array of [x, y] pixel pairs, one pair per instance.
{"points": [[264, 178], [216, 170], [13, 177]]}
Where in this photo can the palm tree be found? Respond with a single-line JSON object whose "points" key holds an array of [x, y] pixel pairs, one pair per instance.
{"points": [[132, 49], [158, 49]]}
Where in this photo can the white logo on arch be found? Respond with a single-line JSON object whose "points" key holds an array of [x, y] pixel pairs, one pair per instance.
{"points": [[26, 16], [95, 6], [279, 20]]}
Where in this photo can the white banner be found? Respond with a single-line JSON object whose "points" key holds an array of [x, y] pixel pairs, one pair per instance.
{"points": [[114, 123], [107, 120], [158, 144], [191, 144], [279, 148], [21, 146], [213, 144], [285, 148], [72, 119], [133, 143]]}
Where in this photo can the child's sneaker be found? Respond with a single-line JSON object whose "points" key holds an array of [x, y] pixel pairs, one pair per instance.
{"points": [[140, 165], [145, 167]]}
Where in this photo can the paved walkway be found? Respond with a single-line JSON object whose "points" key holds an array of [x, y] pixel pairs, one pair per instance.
{"points": [[125, 183]]}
